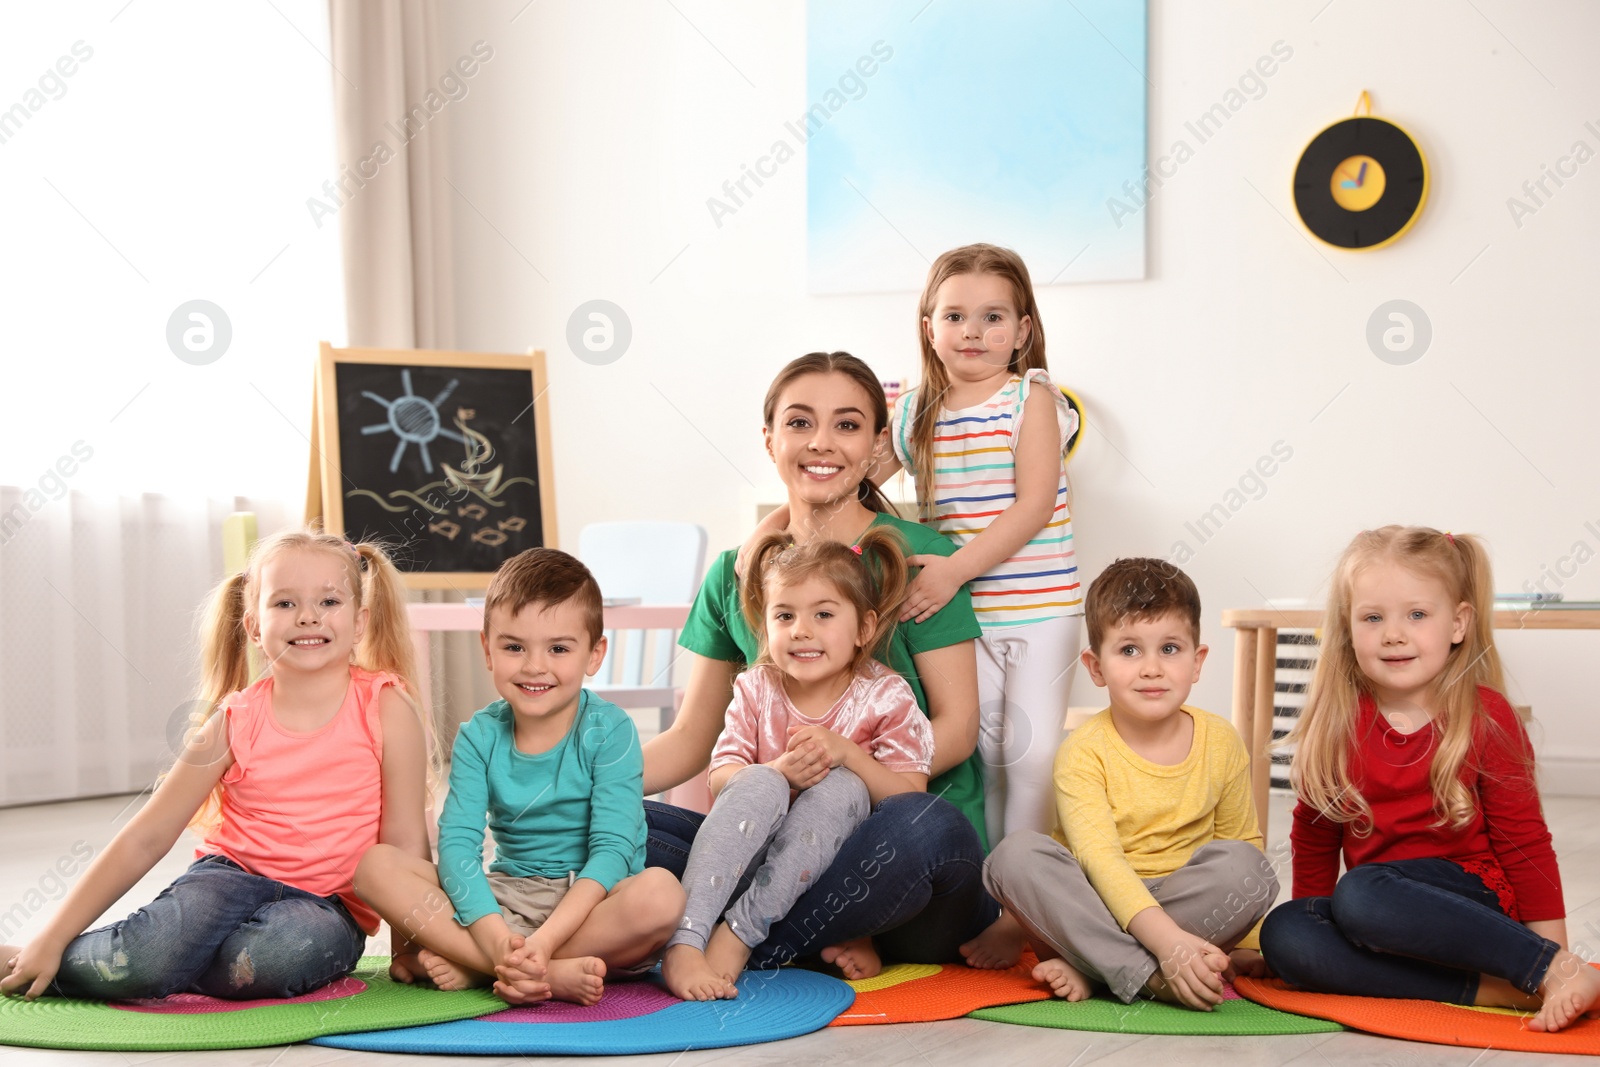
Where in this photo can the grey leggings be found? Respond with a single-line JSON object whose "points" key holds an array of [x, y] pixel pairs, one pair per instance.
{"points": [[752, 814]]}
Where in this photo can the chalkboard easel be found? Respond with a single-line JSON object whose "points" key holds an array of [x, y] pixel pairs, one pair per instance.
{"points": [[444, 457]]}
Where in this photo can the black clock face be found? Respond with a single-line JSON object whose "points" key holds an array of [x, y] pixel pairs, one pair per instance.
{"points": [[1360, 184]]}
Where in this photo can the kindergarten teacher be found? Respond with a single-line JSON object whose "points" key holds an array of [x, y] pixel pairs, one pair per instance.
{"points": [[910, 877]]}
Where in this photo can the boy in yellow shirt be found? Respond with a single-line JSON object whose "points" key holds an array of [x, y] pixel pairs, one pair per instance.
{"points": [[1154, 880]]}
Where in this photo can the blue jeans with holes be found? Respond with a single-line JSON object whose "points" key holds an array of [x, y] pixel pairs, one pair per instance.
{"points": [[218, 930], [910, 877], [1421, 929]]}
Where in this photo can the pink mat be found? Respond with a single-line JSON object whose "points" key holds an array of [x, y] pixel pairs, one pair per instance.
{"points": [[624, 1000], [200, 1004]]}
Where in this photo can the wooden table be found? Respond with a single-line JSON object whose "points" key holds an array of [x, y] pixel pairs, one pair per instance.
{"points": [[1255, 659]]}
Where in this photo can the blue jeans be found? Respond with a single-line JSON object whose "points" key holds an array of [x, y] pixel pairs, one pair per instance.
{"points": [[218, 930], [911, 877], [1423, 929]]}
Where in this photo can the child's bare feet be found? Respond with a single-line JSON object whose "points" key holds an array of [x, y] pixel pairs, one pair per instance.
{"points": [[447, 974], [8, 956], [857, 959], [406, 967], [1571, 988], [999, 946], [689, 976], [1064, 980], [726, 954], [580, 980]]}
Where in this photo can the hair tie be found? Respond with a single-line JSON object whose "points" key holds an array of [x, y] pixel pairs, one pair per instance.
{"points": [[1451, 536], [856, 549]]}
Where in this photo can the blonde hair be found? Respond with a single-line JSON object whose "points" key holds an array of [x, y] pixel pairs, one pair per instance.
{"points": [[1326, 731], [968, 259], [385, 644], [871, 575]]}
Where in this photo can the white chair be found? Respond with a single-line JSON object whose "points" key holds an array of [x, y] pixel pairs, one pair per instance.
{"points": [[654, 563]]}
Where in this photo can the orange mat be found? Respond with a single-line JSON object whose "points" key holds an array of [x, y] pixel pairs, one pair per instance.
{"points": [[925, 993], [1425, 1020]]}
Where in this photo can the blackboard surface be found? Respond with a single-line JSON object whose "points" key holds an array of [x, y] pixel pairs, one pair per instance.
{"points": [[439, 462]]}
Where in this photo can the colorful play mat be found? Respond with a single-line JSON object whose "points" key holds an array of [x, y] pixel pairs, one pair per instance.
{"points": [[1427, 1020], [631, 1018], [366, 1000], [923, 993]]}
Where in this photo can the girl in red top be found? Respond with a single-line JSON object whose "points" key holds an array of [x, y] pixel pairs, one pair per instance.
{"points": [[1410, 761], [288, 780]]}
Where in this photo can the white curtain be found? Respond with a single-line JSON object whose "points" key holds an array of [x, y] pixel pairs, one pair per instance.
{"points": [[98, 637], [157, 154]]}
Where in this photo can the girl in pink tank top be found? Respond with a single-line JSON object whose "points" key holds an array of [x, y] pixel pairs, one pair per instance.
{"points": [[288, 780]]}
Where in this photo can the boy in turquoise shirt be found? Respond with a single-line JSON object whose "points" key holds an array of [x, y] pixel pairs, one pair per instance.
{"points": [[557, 775]]}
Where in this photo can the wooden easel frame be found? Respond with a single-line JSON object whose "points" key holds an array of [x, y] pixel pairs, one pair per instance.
{"points": [[324, 501]]}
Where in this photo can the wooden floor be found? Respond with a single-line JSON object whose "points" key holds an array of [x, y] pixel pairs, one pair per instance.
{"points": [[34, 839]]}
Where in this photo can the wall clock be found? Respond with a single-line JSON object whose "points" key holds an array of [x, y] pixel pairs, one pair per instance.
{"points": [[1361, 182]]}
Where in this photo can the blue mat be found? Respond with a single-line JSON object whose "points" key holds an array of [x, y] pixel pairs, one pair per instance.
{"points": [[771, 1006]]}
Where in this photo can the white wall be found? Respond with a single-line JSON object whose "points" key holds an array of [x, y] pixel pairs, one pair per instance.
{"points": [[589, 144]]}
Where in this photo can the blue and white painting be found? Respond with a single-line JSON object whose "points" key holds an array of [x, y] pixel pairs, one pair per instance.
{"points": [[936, 124]]}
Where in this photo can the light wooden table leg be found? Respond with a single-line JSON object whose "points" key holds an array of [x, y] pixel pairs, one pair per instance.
{"points": [[421, 654], [1261, 733], [1244, 687]]}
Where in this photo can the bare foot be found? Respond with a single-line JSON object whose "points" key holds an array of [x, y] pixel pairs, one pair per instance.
{"points": [[1158, 989], [1064, 980], [1570, 988], [857, 959], [447, 974], [690, 977], [406, 967], [726, 954], [580, 980], [8, 956], [998, 947]]}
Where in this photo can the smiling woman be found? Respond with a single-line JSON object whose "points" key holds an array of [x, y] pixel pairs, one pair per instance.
{"points": [[914, 889]]}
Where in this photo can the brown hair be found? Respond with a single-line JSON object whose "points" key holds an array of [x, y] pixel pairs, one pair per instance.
{"points": [[843, 363], [1139, 589], [385, 645], [1325, 732], [546, 576], [871, 575], [968, 259]]}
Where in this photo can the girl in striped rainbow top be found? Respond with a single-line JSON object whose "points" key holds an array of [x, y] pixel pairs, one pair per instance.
{"points": [[984, 436]]}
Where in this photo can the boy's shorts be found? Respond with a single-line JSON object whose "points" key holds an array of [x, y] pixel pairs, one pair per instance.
{"points": [[527, 902]]}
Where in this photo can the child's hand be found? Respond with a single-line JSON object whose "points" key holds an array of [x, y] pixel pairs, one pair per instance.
{"points": [[932, 588], [522, 973], [1192, 969], [1247, 962], [802, 767], [777, 521], [835, 747], [30, 971]]}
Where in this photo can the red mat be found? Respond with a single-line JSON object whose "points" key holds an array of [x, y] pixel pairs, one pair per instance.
{"points": [[1426, 1020]]}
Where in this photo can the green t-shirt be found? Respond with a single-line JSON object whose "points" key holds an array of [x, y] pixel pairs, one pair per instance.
{"points": [[716, 629]]}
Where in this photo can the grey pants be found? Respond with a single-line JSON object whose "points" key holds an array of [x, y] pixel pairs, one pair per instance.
{"points": [[753, 813], [1223, 891]]}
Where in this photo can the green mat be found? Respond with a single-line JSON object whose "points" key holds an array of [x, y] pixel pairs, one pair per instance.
{"points": [[1234, 1017], [54, 1022]]}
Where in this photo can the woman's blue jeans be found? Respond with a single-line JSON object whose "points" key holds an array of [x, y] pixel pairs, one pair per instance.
{"points": [[911, 877], [218, 930], [1423, 929]]}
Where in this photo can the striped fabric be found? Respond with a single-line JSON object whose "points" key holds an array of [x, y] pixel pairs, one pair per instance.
{"points": [[975, 480]]}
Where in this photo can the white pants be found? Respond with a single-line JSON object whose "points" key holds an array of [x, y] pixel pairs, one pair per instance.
{"points": [[1024, 682]]}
